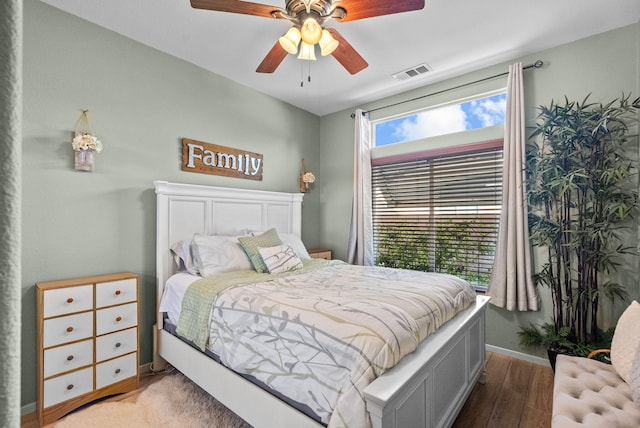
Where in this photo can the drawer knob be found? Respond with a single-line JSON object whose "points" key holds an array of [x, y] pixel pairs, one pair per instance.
{"points": [[69, 387], [118, 319], [70, 358], [117, 371], [118, 345], [69, 329], [118, 292], [70, 300]]}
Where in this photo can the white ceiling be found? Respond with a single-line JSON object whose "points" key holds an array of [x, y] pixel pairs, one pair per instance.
{"points": [[451, 36]]}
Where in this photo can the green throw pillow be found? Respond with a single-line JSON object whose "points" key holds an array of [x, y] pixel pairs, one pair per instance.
{"points": [[250, 245]]}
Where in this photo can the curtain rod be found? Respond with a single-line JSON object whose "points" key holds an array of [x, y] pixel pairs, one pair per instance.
{"points": [[536, 64]]}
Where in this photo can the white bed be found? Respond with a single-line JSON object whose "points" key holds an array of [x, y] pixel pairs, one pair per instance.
{"points": [[426, 389]]}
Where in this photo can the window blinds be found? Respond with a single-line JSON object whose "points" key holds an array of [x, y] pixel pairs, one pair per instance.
{"points": [[439, 213]]}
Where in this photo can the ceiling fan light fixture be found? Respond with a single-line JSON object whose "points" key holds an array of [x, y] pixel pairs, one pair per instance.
{"points": [[289, 41], [311, 31], [307, 51], [327, 43], [309, 18]]}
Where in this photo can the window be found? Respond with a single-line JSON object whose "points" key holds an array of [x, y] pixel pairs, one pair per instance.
{"points": [[477, 113], [439, 211]]}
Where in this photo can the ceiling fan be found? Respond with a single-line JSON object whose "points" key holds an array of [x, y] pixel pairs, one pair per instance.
{"points": [[308, 18]]}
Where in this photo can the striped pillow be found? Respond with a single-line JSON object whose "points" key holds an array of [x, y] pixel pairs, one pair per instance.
{"points": [[280, 258]]}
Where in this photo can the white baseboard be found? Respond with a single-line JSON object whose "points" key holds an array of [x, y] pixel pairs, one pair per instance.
{"points": [[519, 355]]}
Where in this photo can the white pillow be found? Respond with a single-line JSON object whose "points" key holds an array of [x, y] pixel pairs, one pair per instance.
{"points": [[183, 254], [218, 254], [280, 258], [296, 244], [626, 340]]}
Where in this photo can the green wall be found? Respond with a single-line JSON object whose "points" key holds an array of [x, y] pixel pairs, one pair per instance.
{"points": [[604, 65], [141, 103]]}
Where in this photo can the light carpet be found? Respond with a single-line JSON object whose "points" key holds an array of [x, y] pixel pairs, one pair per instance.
{"points": [[173, 401]]}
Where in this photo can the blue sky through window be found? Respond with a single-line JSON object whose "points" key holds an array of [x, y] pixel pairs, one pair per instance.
{"points": [[479, 113]]}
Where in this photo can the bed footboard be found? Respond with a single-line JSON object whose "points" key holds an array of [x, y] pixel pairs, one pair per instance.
{"points": [[429, 387]]}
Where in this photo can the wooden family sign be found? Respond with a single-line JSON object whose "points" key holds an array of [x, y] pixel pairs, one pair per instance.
{"points": [[219, 160]]}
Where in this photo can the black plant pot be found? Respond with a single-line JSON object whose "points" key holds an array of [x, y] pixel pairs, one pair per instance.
{"points": [[555, 351]]}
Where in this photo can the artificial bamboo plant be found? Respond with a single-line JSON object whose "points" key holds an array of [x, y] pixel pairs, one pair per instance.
{"points": [[582, 192]]}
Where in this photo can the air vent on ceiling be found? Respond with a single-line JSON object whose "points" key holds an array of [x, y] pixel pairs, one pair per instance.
{"points": [[416, 71]]}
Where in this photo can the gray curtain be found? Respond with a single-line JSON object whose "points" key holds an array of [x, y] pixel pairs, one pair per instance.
{"points": [[360, 246], [511, 285], [10, 153]]}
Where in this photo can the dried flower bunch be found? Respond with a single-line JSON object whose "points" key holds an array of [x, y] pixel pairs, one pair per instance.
{"points": [[308, 177], [85, 141]]}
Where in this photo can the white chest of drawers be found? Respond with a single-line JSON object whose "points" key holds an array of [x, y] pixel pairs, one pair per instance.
{"points": [[88, 341]]}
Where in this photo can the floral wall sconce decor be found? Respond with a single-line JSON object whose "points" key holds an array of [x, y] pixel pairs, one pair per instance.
{"points": [[85, 144], [306, 178]]}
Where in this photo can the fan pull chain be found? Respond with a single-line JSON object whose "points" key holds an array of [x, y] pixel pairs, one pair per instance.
{"points": [[302, 73]]}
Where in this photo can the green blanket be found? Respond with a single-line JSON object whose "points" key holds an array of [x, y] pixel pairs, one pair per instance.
{"points": [[198, 300]]}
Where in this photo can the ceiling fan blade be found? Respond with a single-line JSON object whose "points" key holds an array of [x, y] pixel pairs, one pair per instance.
{"points": [[272, 60], [238, 6], [347, 55], [361, 9]]}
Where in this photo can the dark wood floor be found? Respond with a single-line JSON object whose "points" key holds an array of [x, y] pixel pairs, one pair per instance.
{"points": [[516, 394]]}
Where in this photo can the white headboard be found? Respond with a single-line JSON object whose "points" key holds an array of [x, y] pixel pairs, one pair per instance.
{"points": [[185, 209]]}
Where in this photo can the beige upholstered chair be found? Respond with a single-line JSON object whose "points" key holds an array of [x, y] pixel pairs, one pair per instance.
{"points": [[590, 393]]}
